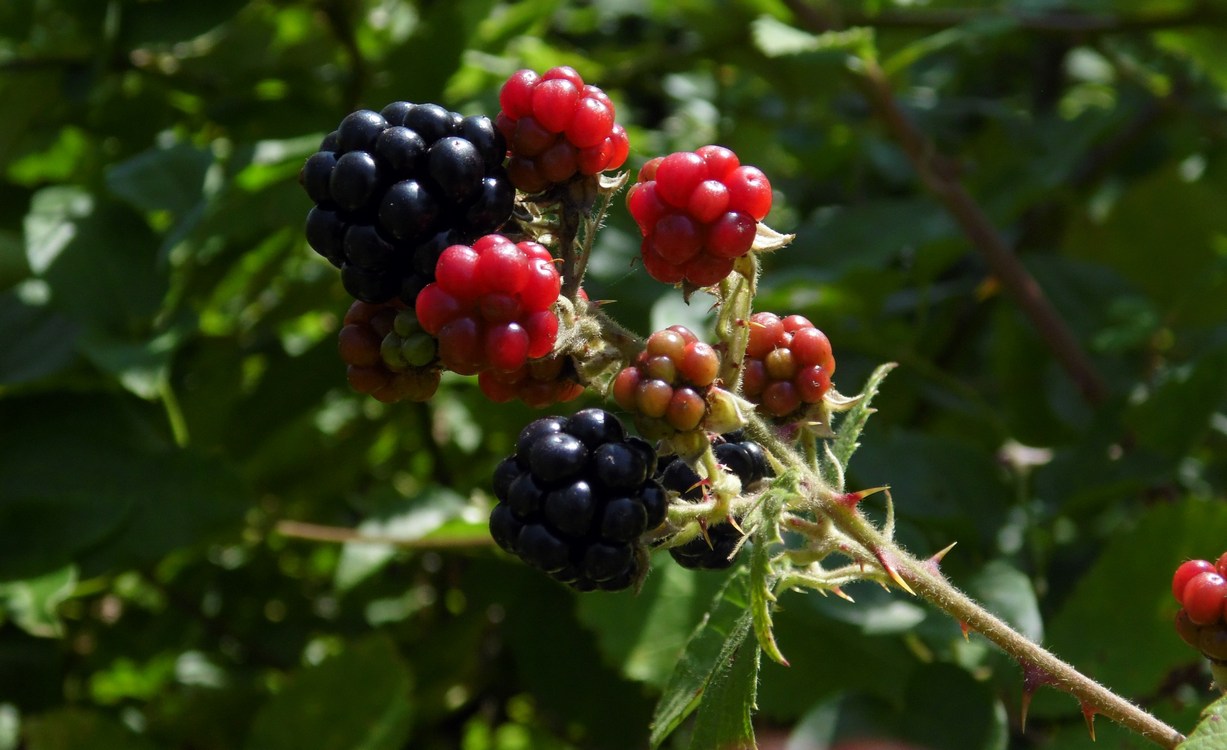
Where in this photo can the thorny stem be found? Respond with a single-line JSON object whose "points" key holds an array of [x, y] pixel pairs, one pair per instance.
{"points": [[932, 586]]}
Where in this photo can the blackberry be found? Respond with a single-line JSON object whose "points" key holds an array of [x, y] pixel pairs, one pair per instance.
{"points": [[738, 455], [393, 188], [575, 499]]}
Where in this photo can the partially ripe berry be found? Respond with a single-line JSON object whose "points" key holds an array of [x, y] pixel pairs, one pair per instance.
{"points": [[1187, 571], [1203, 598]]}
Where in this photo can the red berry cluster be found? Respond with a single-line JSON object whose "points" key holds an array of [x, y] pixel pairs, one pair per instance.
{"points": [[669, 380], [698, 212], [538, 384], [556, 127], [1201, 588], [788, 363], [490, 305], [387, 354]]}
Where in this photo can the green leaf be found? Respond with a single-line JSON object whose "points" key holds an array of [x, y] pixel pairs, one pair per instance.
{"points": [[766, 536], [403, 519], [1007, 592], [36, 342], [973, 31], [726, 711], [1211, 732], [708, 654], [164, 179], [1135, 567], [32, 602], [75, 728], [777, 39], [643, 634], [359, 699], [853, 421]]}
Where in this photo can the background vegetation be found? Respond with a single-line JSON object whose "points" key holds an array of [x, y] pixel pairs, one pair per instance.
{"points": [[170, 395]]}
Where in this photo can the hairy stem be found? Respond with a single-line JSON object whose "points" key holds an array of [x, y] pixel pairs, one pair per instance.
{"points": [[929, 584]]}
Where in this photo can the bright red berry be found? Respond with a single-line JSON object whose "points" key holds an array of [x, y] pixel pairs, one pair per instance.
{"points": [[1185, 573], [1204, 597], [788, 364]]}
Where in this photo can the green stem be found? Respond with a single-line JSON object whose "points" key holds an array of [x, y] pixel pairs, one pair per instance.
{"points": [[174, 413]]}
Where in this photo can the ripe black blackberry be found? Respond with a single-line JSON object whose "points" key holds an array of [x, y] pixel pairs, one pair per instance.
{"points": [[736, 454], [576, 497], [393, 188]]}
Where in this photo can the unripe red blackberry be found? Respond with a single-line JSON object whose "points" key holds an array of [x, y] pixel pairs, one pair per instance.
{"points": [[491, 305], [387, 354], [538, 384], [788, 364], [698, 212], [666, 386], [393, 188], [575, 499], [557, 128]]}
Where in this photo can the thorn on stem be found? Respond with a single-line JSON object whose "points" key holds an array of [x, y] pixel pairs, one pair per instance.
{"points": [[888, 565], [1033, 678], [934, 562], [1088, 713], [850, 499], [966, 630], [837, 591]]}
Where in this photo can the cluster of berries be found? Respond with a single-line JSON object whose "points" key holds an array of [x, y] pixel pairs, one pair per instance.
{"points": [[393, 188], [386, 352], [698, 212], [716, 548], [1201, 588], [576, 497], [788, 364], [668, 382], [557, 127], [491, 305]]}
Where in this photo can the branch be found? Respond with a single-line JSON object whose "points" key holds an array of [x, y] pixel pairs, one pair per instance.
{"points": [[1053, 22], [929, 584], [939, 176], [342, 535]]}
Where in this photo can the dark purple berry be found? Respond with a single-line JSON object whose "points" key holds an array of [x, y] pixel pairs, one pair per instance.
{"points": [[315, 175], [531, 433], [541, 549], [364, 247], [571, 508], [456, 167], [358, 131], [354, 180], [504, 474], [431, 121], [492, 206], [524, 496], [603, 562], [594, 427], [479, 131], [505, 527], [374, 287], [396, 112], [556, 457], [623, 519], [408, 211], [618, 466], [326, 234], [400, 151]]}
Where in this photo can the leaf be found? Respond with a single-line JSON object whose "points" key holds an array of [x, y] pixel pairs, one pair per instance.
{"points": [[75, 728], [1135, 568], [404, 519], [1211, 732], [709, 652], [978, 28], [854, 420], [762, 578], [643, 634], [725, 713], [162, 179], [1007, 592], [36, 342], [777, 39], [359, 699], [32, 602]]}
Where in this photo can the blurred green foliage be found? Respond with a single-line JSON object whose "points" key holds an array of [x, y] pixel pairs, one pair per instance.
{"points": [[169, 388]]}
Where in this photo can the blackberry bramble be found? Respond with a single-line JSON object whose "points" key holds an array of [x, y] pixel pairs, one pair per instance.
{"points": [[386, 352], [393, 188], [666, 387], [576, 497]]}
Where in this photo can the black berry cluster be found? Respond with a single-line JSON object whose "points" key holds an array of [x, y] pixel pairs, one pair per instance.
{"points": [[736, 454], [394, 188], [575, 499]]}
